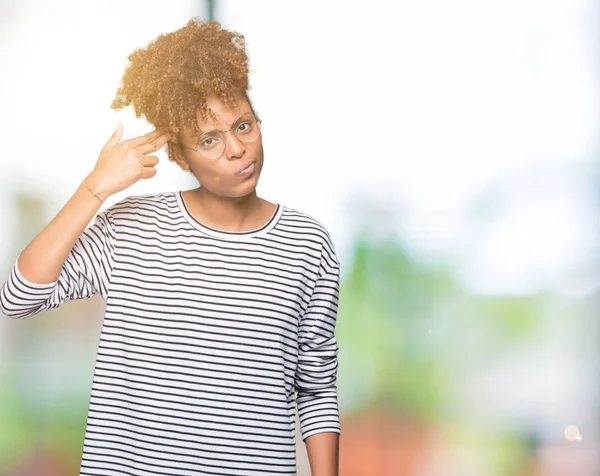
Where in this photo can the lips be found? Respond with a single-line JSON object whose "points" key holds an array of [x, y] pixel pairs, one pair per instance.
{"points": [[246, 169]]}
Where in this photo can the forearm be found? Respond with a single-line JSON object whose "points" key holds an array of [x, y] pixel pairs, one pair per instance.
{"points": [[41, 261], [119, 165], [323, 453]]}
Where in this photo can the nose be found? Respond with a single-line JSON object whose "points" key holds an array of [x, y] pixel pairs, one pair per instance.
{"points": [[234, 148]]}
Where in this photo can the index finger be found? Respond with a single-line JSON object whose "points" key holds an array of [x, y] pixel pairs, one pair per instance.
{"points": [[150, 136], [155, 144]]}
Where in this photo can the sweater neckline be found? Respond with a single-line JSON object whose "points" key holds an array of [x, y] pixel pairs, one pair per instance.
{"points": [[229, 235]]}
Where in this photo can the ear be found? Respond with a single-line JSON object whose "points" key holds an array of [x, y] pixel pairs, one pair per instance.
{"points": [[179, 157]]}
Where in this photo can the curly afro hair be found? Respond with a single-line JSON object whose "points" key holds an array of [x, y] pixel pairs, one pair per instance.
{"points": [[171, 78]]}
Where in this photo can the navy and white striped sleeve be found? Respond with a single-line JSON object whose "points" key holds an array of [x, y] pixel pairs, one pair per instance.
{"points": [[85, 272], [316, 371]]}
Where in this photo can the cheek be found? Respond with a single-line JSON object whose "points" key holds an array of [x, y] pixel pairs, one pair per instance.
{"points": [[261, 158], [210, 173], [204, 172]]}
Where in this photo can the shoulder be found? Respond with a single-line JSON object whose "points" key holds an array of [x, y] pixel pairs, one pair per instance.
{"points": [[142, 204], [302, 222], [136, 210], [308, 227]]}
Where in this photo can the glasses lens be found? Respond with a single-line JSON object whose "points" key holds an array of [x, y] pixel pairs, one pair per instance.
{"points": [[211, 146], [248, 129]]}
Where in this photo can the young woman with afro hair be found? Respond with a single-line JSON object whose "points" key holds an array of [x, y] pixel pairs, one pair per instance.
{"points": [[220, 306]]}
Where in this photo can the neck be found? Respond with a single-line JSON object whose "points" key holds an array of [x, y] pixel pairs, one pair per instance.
{"points": [[227, 214]]}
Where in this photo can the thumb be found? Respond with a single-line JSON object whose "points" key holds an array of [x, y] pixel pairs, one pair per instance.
{"points": [[116, 137]]}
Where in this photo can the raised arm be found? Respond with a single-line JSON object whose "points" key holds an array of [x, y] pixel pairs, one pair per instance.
{"points": [[65, 260]]}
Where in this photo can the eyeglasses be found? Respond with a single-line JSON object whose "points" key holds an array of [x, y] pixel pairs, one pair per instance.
{"points": [[211, 144]]}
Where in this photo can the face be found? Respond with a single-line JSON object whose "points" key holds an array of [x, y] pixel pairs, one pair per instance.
{"points": [[235, 172]]}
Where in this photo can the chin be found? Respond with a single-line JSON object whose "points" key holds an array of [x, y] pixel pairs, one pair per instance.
{"points": [[241, 190], [245, 189]]}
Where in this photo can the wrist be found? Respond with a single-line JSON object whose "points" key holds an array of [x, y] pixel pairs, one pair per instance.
{"points": [[95, 187]]}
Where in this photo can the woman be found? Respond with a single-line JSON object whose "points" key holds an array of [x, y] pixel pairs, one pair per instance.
{"points": [[220, 306]]}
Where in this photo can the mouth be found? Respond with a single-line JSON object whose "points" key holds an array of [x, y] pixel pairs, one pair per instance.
{"points": [[246, 169]]}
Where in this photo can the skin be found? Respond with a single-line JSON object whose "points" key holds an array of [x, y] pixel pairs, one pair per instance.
{"points": [[323, 453]]}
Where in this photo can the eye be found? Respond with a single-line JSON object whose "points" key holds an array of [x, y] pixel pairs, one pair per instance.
{"points": [[245, 127], [208, 142]]}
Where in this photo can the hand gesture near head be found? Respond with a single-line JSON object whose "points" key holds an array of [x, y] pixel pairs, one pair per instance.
{"points": [[123, 163]]}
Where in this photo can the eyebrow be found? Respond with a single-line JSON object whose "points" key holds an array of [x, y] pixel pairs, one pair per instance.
{"points": [[232, 125]]}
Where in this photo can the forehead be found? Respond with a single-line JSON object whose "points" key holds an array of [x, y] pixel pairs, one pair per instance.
{"points": [[224, 115]]}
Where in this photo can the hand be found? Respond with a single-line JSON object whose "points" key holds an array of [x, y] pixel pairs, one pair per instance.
{"points": [[121, 164]]}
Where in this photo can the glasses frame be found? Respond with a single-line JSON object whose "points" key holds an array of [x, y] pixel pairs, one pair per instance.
{"points": [[223, 134]]}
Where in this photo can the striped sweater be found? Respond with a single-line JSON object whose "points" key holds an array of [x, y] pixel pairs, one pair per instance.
{"points": [[209, 340]]}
